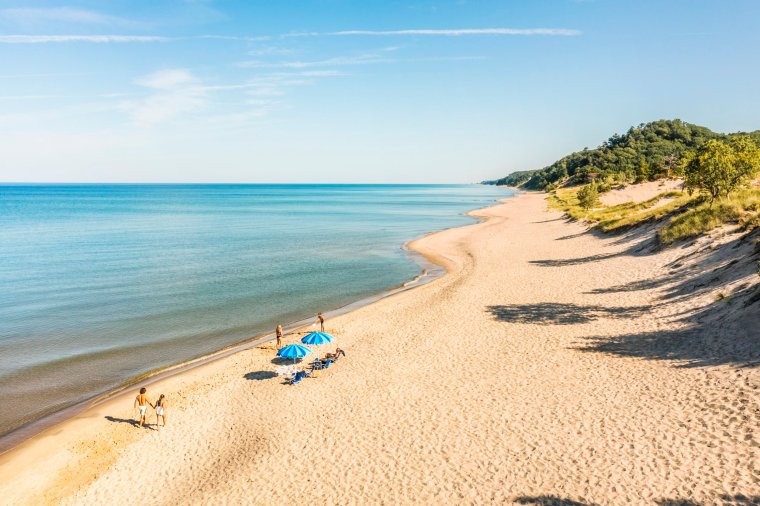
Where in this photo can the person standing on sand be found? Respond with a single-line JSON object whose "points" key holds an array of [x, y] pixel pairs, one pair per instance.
{"points": [[161, 407], [142, 403], [278, 333], [321, 320]]}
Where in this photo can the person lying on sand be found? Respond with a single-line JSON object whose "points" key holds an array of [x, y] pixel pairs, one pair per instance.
{"points": [[161, 407], [142, 403], [338, 353]]}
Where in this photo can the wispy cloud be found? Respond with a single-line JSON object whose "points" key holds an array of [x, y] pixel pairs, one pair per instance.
{"points": [[363, 59], [51, 74], [177, 92], [26, 97], [251, 38], [456, 32], [270, 51], [42, 39], [339, 61], [174, 92], [28, 16]]}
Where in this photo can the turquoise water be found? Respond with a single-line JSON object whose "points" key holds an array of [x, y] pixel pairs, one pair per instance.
{"points": [[103, 283]]}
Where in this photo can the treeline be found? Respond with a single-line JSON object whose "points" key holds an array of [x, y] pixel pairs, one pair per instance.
{"points": [[644, 153]]}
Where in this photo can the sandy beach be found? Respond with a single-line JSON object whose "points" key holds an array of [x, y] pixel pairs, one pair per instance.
{"points": [[549, 366]]}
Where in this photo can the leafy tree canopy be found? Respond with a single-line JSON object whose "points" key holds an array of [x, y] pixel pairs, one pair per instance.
{"points": [[646, 152], [719, 168]]}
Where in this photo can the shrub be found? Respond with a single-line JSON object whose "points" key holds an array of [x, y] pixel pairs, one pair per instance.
{"points": [[588, 196], [719, 168]]}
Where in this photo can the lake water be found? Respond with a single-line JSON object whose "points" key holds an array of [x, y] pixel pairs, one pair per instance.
{"points": [[102, 284]]}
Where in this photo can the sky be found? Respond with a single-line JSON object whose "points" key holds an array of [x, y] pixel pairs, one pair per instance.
{"points": [[370, 91]]}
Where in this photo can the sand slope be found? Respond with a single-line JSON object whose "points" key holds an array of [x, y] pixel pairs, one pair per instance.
{"points": [[532, 374], [640, 192]]}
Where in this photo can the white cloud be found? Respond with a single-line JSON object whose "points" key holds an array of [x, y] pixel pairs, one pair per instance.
{"points": [[270, 51], [363, 59], [167, 79], [256, 38], [338, 61], [32, 16], [177, 92], [450, 32], [27, 97], [41, 39]]}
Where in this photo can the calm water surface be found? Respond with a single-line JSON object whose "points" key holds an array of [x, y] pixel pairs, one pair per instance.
{"points": [[100, 284]]}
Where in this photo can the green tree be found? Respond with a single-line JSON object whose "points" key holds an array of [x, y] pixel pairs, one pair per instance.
{"points": [[670, 163], [746, 163], [719, 168], [588, 196], [709, 168]]}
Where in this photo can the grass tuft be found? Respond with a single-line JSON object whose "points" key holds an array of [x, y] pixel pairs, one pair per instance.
{"points": [[690, 215], [742, 209]]}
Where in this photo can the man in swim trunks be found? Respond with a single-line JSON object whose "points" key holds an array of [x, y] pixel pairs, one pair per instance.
{"points": [[321, 320], [142, 403], [278, 333]]}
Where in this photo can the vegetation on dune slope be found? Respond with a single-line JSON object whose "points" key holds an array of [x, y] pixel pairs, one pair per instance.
{"points": [[644, 153], [686, 215], [717, 170]]}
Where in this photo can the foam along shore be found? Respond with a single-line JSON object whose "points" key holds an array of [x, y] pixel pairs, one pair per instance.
{"points": [[548, 365]]}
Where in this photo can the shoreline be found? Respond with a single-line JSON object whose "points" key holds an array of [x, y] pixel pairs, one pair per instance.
{"points": [[526, 375], [430, 270]]}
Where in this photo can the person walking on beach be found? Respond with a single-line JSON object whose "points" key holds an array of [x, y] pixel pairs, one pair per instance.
{"points": [[278, 334], [321, 320], [142, 403], [161, 406]]}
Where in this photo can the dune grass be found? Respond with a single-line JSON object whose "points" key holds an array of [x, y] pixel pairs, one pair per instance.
{"points": [[690, 216], [743, 208], [621, 216]]}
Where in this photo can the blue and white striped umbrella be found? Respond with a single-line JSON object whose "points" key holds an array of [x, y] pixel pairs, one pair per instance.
{"points": [[293, 351], [317, 338]]}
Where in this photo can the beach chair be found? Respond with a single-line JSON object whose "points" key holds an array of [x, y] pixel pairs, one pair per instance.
{"points": [[300, 375]]}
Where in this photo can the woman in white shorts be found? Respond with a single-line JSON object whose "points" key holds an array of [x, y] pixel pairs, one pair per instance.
{"points": [[161, 406]]}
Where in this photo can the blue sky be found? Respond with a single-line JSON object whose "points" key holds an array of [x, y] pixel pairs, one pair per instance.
{"points": [[356, 91]]}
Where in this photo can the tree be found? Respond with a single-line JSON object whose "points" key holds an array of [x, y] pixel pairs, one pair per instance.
{"points": [[670, 163], [588, 196], [709, 168], [746, 163], [719, 168]]}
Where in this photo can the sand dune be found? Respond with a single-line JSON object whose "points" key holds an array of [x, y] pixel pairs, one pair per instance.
{"points": [[550, 366], [640, 192]]}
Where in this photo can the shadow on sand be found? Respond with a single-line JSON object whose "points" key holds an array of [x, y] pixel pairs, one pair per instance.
{"points": [[564, 262], [550, 500], [259, 375], [561, 314], [725, 499], [721, 332], [133, 423], [285, 361]]}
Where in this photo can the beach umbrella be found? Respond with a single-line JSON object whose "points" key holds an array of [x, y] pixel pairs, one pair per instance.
{"points": [[317, 338], [293, 351]]}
